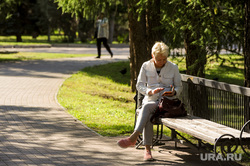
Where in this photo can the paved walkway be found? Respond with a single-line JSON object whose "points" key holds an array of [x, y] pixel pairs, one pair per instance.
{"points": [[36, 130]]}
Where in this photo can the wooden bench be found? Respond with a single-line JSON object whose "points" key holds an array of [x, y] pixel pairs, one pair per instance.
{"points": [[207, 133]]}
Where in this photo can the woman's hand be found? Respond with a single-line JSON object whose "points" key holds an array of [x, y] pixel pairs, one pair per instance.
{"points": [[157, 90]]}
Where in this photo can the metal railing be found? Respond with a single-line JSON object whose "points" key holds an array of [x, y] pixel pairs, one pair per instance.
{"points": [[219, 102]]}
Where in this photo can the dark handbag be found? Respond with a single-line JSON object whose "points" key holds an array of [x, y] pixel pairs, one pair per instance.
{"points": [[168, 109]]}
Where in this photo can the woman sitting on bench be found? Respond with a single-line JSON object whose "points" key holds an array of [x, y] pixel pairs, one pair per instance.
{"points": [[158, 77]]}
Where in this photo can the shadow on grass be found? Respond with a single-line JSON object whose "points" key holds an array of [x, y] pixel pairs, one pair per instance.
{"points": [[118, 72], [9, 60], [115, 71], [8, 52]]}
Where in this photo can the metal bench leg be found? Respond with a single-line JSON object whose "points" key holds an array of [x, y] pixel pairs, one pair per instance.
{"points": [[139, 144], [158, 137], [173, 137], [161, 131]]}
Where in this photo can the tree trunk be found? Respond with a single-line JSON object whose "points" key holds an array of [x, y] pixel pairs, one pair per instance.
{"points": [[153, 23], [46, 10], [138, 42], [19, 37], [195, 62], [247, 61], [247, 44], [49, 29], [112, 25], [195, 56]]}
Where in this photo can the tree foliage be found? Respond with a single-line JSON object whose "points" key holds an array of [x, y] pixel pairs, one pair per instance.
{"points": [[87, 8], [18, 17], [202, 27], [209, 26], [90, 9]]}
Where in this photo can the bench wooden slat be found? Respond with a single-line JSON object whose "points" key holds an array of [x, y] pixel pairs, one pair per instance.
{"points": [[222, 129], [212, 126], [187, 128], [201, 128]]}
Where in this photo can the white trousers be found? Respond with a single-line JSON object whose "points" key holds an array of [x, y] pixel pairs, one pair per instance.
{"points": [[143, 124]]}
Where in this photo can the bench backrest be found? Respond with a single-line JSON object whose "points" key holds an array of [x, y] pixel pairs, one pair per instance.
{"points": [[219, 102]]}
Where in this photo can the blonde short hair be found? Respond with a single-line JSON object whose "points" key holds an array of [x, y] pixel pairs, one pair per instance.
{"points": [[160, 48]]}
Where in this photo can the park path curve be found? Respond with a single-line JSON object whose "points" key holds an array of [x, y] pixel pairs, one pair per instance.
{"points": [[35, 129]]}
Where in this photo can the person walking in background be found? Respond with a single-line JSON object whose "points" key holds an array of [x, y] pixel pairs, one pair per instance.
{"points": [[102, 34], [156, 76]]}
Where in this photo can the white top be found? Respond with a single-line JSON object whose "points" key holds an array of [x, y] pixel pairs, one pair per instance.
{"points": [[148, 79], [103, 28]]}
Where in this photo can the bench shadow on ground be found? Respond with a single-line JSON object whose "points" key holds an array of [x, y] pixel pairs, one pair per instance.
{"points": [[188, 155]]}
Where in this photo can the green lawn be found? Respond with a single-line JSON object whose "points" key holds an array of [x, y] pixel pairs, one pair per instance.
{"points": [[229, 69], [101, 98], [28, 40]]}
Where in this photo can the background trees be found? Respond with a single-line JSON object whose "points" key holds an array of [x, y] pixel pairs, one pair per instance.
{"points": [[89, 10], [17, 17], [201, 27], [31, 17], [206, 27]]}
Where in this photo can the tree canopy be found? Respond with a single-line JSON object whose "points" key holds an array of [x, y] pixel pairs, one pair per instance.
{"points": [[201, 27]]}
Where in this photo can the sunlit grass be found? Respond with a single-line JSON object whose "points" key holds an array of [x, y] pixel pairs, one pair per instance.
{"points": [[28, 40], [229, 69], [98, 101]]}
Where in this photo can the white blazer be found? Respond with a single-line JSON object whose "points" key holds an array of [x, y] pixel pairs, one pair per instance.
{"points": [[103, 28], [148, 79]]}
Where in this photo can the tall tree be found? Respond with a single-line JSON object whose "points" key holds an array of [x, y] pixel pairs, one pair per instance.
{"points": [[247, 44], [195, 53], [144, 30], [137, 36], [247, 61], [153, 23], [46, 6]]}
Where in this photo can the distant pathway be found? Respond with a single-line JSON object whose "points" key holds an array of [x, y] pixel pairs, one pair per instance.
{"points": [[73, 50]]}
